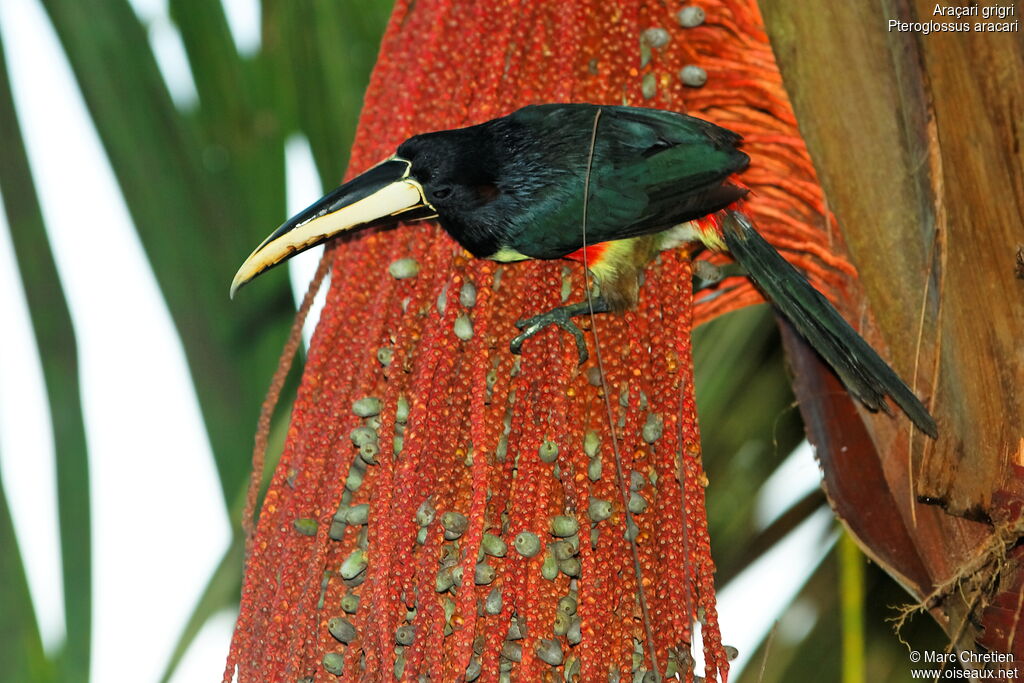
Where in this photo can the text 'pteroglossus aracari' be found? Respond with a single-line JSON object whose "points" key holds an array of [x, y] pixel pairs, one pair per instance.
{"points": [[513, 189]]}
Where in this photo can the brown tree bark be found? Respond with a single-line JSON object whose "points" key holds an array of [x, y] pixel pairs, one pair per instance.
{"points": [[916, 139]]}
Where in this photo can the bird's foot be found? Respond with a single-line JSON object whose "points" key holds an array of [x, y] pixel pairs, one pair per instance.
{"points": [[561, 316], [707, 275], [531, 326]]}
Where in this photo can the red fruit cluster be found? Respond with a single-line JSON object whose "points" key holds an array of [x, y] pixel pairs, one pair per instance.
{"points": [[475, 464]]}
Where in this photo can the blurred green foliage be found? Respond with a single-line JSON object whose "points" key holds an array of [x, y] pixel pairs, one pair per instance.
{"points": [[20, 643], [207, 180]]}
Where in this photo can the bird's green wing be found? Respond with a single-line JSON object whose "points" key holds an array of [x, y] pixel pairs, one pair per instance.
{"points": [[650, 170], [677, 164]]}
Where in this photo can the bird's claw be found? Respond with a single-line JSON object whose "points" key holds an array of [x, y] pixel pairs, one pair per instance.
{"points": [[707, 275], [558, 316]]}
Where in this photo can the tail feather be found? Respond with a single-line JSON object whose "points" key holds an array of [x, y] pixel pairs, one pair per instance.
{"points": [[860, 368]]}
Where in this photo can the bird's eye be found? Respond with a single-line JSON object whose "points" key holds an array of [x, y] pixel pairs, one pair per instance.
{"points": [[441, 192]]}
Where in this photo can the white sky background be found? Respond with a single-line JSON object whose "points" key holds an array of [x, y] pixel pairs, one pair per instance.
{"points": [[148, 448], [153, 552]]}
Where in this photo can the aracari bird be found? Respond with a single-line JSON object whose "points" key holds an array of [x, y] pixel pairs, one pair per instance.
{"points": [[513, 189]]}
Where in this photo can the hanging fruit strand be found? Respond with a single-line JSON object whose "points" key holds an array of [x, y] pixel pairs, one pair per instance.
{"points": [[366, 560]]}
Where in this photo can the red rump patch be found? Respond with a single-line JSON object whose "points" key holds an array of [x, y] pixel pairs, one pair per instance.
{"points": [[710, 223], [590, 254]]}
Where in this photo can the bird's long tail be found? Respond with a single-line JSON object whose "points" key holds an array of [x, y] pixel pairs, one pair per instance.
{"points": [[860, 368]]}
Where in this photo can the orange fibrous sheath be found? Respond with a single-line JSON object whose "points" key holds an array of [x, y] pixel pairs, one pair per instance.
{"points": [[477, 452]]}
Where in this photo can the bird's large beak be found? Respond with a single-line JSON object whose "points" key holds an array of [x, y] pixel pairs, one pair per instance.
{"points": [[383, 195]]}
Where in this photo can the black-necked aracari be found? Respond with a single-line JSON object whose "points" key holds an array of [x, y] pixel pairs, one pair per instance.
{"points": [[513, 189]]}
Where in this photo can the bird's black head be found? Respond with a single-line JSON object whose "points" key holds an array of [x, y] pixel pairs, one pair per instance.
{"points": [[464, 180], [462, 177], [457, 169]]}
